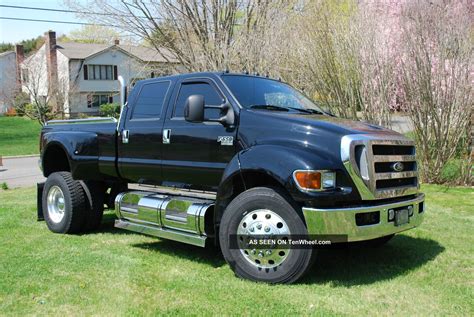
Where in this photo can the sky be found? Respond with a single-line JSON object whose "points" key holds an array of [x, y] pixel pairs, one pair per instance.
{"points": [[16, 31]]}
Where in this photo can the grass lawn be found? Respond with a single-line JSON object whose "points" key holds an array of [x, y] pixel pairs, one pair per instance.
{"points": [[426, 271], [19, 136]]}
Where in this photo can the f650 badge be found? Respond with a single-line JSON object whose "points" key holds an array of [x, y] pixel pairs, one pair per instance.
{"points": [[225, 140]]}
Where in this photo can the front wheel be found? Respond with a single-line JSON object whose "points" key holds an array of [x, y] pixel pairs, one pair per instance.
{"points": [[264, 212]]}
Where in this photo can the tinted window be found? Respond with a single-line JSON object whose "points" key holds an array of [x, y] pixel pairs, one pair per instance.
{"points": [[150, 101], [211, 96], [254, 91]]}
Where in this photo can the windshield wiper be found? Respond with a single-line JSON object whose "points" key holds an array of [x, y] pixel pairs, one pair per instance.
{"points": [[280, 108], [312, 111], [269, 107]]}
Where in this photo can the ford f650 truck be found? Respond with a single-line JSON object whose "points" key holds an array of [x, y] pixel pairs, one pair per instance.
{"points": [[220, 156]]}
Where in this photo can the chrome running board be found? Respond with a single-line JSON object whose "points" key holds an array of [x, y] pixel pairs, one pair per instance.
{"points": [[169, 234]]}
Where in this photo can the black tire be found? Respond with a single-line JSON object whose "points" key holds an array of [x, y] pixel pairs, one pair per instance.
{"points": [[374, 243], [74, 203], [298, 260], [95, 195]]}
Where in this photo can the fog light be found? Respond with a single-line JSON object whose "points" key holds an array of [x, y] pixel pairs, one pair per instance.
{"points": [[391, 214], [421, 207]]}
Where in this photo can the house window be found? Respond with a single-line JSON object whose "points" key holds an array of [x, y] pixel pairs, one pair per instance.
{"points": [[100, 72], [24, 75], [94, 101]]}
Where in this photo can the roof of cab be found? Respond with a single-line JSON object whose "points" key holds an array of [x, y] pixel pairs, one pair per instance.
{"points": [[203, 74]]}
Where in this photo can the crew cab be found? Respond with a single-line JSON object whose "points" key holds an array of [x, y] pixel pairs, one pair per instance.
{"points": [[229, 159]]}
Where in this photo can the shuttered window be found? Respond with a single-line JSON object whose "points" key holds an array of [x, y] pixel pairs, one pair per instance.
{"points": [[100, 72]]}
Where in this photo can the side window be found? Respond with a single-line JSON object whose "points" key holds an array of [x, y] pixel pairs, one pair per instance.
{"points": [[150, 101], [211, 96]]}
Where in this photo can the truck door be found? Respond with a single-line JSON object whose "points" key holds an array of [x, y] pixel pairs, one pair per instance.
{"points": [[196, 154], [139, 146]]}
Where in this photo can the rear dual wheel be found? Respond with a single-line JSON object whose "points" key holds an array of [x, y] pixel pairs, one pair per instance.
{"points": [[70, 206], [266, 212]]}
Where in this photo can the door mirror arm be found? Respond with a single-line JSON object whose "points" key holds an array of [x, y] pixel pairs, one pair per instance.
{"points": [[228, 119], [194, 111]]}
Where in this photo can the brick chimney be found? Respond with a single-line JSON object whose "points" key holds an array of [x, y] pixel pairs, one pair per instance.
{"points": [[51, 58], [52, 66], [117, 42], [20, 57]]}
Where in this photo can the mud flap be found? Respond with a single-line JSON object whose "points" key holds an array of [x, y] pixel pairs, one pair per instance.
{"points": [[39, 201]]}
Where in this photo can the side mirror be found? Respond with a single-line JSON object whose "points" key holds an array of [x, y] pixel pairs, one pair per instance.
{"points": [[194, 108], [194, 111]]}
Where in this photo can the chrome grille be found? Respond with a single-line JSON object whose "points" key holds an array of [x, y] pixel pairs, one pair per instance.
{"points": [[382, 166]]}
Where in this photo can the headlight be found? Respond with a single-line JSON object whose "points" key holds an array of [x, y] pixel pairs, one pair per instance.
{"points": [[314, 180], [329, 180]]}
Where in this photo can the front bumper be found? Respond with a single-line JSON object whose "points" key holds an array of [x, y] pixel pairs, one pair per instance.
{"points": [[342, 221]]}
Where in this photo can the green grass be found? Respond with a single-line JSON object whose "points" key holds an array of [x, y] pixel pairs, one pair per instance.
{"points": [[19, 136], [425, 271]]}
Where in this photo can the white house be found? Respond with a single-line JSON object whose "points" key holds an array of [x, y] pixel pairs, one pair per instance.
{"points": [[85, 75], [8, 79]]}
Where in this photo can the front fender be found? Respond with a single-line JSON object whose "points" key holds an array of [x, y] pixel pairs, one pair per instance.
{"points": [[279, 162]]}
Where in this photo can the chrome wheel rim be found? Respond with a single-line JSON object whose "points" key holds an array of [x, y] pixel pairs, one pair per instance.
{"points": [[258, 224], [56, 204]]}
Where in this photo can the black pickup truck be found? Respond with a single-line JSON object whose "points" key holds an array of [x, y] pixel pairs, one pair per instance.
{"points": [[223, 157]]}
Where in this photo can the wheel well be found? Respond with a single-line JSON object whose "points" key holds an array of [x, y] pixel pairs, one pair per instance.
{"points": [[252, 179], [55, 159]]}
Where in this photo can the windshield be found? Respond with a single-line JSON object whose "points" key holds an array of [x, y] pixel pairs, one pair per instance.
{"points": [[262, 93]]}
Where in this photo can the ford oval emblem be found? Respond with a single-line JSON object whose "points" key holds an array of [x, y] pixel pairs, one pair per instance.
{"points": [[398, 166]]}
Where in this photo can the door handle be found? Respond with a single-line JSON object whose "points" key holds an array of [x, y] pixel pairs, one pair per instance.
{"points": [[125, 136], [166, 136]]}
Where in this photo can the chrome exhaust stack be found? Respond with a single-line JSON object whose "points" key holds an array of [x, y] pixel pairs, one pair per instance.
{"points": [[123, 100], [123, 91]]}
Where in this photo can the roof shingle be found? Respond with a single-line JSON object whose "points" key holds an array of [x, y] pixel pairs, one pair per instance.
{"points": [[74, 50]]}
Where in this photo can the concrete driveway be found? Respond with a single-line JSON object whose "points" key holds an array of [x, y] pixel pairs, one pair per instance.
{"points": [[20, 171]]}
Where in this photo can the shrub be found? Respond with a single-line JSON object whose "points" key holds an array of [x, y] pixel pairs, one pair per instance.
{"points": [[11, 112], [437, 83], [20, 102], [110, 110]]}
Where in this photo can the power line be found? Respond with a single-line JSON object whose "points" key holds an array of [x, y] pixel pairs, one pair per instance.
{"points": [[46, 9], [69, 11], [56, 21], [75, 12]]}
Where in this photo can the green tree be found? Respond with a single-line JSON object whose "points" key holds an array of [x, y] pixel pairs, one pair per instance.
{"points": [[4, 47], [93, 34]]}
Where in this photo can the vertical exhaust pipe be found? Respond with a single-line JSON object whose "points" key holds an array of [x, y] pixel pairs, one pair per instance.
{"points": [[123, 91], [123, 99]]}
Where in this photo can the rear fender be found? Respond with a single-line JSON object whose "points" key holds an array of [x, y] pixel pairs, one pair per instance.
{"points": [[81, 148]]}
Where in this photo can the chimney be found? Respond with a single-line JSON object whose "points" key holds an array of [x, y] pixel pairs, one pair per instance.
{"points": [[51, 57], [51, 64], [20, 57], [116, 41]]}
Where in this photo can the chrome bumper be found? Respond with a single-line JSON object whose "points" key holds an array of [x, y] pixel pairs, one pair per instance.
{"points": [[342, 221]]}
